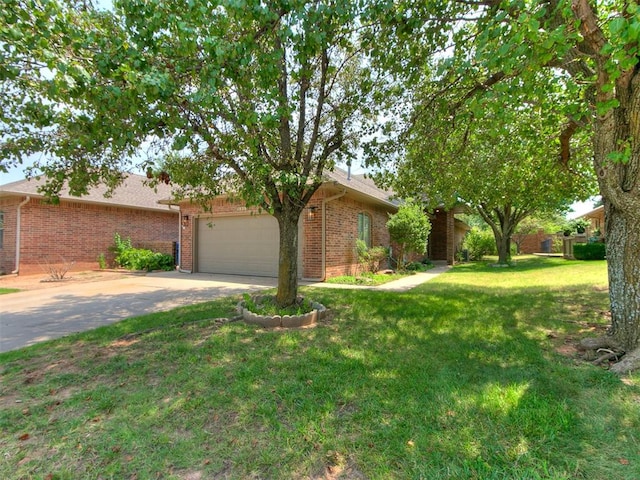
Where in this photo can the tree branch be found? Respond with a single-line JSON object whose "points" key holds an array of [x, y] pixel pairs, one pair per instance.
{"points": [[324, 68], [302, 118], [283, 103], [565, 137]]}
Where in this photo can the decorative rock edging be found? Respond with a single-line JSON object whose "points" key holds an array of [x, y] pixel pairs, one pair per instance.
{"points": [[286, 321]]}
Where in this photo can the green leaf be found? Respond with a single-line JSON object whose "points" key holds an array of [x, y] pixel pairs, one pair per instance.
{"points": [[603, 108], [617, 25]]}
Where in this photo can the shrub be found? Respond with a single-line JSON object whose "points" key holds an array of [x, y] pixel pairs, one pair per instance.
{"points": [[479, 243], [56, 268], [409, 229], [422, 266], [589, 251], [102, 261], [416, 267], [370, 258], [143, 259], [126, 256]]}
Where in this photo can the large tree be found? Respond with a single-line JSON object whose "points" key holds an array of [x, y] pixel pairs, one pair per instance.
{"points": [[594, 47], [499, 159], [250, 98]]}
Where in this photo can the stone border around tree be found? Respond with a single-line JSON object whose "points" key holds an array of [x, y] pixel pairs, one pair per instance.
{"points": [[285, 321]]}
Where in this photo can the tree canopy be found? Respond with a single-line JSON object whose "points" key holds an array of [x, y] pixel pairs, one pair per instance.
{"points": [[244, 97], [504, 48], [500, 158]]}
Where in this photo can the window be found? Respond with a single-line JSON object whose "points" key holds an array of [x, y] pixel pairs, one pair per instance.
{"points": [[364, 228], [1, 229]]}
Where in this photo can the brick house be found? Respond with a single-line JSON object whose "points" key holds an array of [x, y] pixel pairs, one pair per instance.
{"points": [[234, 239], [79, 229], [596, 217], [447, 234]]}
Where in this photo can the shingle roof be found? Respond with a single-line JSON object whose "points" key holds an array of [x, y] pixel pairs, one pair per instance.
{"points": [[361, 184], [593, 213], [132, 193]]}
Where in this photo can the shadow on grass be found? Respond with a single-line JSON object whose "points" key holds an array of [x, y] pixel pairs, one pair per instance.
{"points": [[481, 389], [444, 381]]}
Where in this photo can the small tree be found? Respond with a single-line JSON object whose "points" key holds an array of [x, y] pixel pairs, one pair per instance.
{"points": [[370, 258], [409, 229], [527, 227], [250, 99]]}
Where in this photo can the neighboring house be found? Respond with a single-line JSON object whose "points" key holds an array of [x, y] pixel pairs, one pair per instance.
{"points": [[447, 234], [538, 242], [596, 217], [34, 233], [234, 239]]}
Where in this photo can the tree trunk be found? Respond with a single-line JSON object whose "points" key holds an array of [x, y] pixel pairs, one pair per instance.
{"points": [[503, 242], [503, 221], [617, 131], [623, 258], [288, 257]]}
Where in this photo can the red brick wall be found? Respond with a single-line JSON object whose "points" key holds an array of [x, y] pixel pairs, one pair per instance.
{"points": [[442, 237], [79, 232], [532, 243], [311, 239], [341, 231]]}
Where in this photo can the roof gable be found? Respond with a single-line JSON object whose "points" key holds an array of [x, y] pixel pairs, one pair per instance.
{"points": [[362, 185]]}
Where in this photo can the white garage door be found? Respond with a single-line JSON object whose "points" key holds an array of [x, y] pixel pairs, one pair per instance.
{"points": [[242, 245]]}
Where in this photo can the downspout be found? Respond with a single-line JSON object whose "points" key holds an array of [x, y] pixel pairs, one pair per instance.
{"points": [[179, 232], [183, 227], [18, 217], [324, 237], [180, 228]]}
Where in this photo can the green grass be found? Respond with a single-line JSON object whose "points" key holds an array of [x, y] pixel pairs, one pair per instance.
{"points": [[8, 290], [460, 378], [366, 278]]}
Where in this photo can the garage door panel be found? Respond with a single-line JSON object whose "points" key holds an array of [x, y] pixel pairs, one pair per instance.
{"points": [[241, 245]]}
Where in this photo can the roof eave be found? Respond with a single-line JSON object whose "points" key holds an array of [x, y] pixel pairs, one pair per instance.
{"points": [[5, 193]]}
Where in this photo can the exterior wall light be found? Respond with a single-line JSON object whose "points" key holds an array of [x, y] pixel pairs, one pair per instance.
{"points": [[311, 212]]}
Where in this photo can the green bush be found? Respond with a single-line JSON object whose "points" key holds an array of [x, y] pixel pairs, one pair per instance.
{"points": [[102, 261], [370, 258], [589, 251], [120, 246], [126, 256], [143, 259], [409, 229], [422, 266], [479, 243]]}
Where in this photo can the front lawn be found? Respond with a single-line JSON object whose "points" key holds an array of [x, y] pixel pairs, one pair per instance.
{"points": [[8, 290], [469, 376], [366, 278]]}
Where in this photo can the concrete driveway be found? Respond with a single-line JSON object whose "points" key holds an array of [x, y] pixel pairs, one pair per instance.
{"points": [[34, 316]]}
